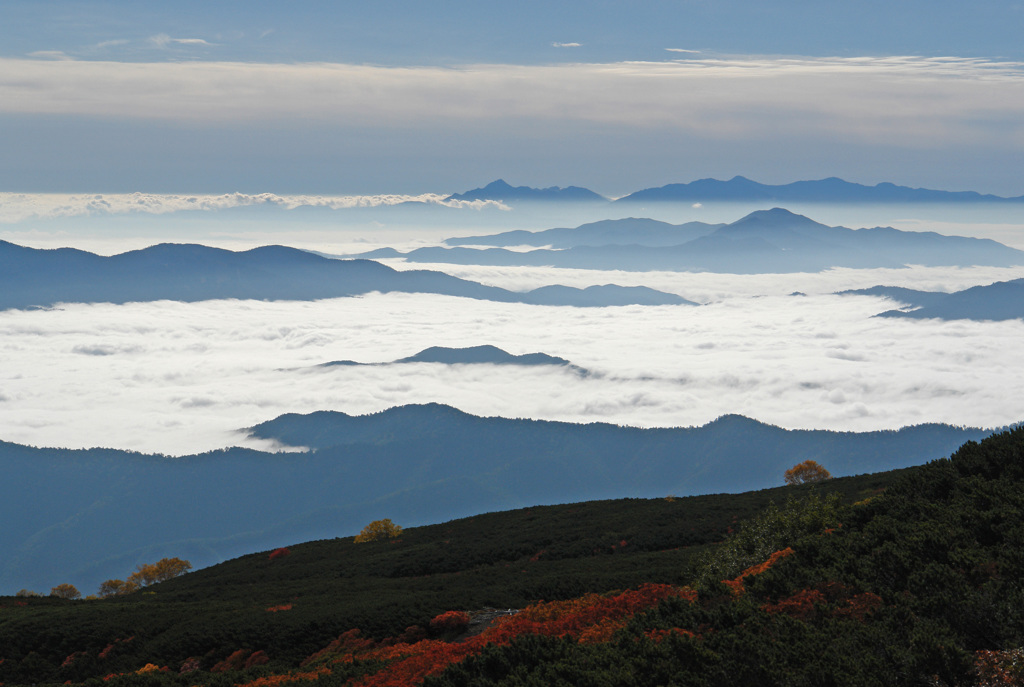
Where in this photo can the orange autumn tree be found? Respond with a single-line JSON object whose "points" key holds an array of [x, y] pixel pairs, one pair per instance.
{"points": [[807, 471], [145, 575], [65, 591], [378, 530]]}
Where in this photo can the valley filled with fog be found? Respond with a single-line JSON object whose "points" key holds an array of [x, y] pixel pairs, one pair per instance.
{"points": [[179, 378]]}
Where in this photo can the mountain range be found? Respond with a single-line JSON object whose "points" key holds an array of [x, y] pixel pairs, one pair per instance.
{"points": [[83, 516], [741, 189], [764, 241], [830, 190], [501, 190], [1002, 300], [32, 277], [470, 355]]}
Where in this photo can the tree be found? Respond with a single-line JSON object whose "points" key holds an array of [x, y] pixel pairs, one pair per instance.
{"points": [[377, 530], [27, 593], [115, 588], [65, 591], [807, 471], [163, 569]]}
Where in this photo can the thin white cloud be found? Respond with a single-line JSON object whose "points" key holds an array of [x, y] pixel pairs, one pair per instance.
{"points": [[58, 55], [567, 45], [113, 43], [162, 40], [16, 207], [181, 377], [693, 52], [907, 101]]}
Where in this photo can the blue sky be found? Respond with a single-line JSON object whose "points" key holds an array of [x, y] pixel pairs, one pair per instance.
{"points": [[411, 97]]}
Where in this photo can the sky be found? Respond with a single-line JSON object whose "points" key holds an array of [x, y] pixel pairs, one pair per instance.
{"points": [[342, 126], [403, 97]]}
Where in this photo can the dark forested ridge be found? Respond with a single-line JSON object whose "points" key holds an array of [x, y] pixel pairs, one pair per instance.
{"points": [[31, 277], [902, 578], [92, 514]]}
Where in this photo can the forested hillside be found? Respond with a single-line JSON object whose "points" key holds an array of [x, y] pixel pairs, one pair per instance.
{"points": [[909, 578]]}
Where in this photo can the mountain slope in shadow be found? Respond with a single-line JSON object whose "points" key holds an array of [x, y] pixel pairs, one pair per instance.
{"points": [[1003, 300], [90, 515], [186, 272], [765, 241]]}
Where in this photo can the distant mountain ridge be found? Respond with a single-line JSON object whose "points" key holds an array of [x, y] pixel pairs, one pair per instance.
{"points": [[470, 355], [92, 515], [764, 241], [1003, 300], [609, 232], [832, 190], [501, 190], [31, 277], [741, 189]]}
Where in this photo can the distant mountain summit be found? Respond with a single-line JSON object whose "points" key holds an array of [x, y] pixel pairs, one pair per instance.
{"points": [[470, 355], [608, 232], [1003, 300], [764, 241], [501, 190], [185, 272], [830, 190]]}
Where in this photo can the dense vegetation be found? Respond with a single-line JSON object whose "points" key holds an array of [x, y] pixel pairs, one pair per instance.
{"points": [[324, 588], [894, 579]]}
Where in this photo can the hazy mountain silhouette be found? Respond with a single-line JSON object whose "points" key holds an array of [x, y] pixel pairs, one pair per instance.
{"points": [[186, 272], [86, 516], [1003, 300], [471, 355], [609, 232], [830, 190], [500, 190], [764, 241]]}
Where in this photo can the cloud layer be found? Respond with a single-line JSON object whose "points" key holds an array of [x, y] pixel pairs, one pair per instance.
{"points": [[180, 378], [900, 100], [16, 207]]}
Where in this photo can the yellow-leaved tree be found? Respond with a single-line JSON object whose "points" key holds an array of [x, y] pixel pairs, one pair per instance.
{"points": [[807, 471], [145, 575], [65, 591], [378, 530]]}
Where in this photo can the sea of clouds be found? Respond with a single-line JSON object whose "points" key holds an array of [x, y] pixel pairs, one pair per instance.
{"points": [[180, 378]]}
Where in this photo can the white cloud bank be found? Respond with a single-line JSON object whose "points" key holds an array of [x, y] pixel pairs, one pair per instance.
{"points": [[17, 207], [179, 378], [898, 100]]}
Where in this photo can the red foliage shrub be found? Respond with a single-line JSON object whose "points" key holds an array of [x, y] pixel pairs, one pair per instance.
{"points": [[799, 605], [412, 634], [282, 607], [279, 553], [72, 658], [736, 585], [258, 658], [450, 621], [190, 665], [110, 647], [233, 662], [348, 643], [860, 606], [999, 668]]}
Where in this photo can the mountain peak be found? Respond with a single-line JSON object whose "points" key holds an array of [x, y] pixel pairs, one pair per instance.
{"points": [[501, 190]]}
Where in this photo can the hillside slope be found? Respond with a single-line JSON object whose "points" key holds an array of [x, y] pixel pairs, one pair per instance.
{"points": [[92, 514], [500, 560]]}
